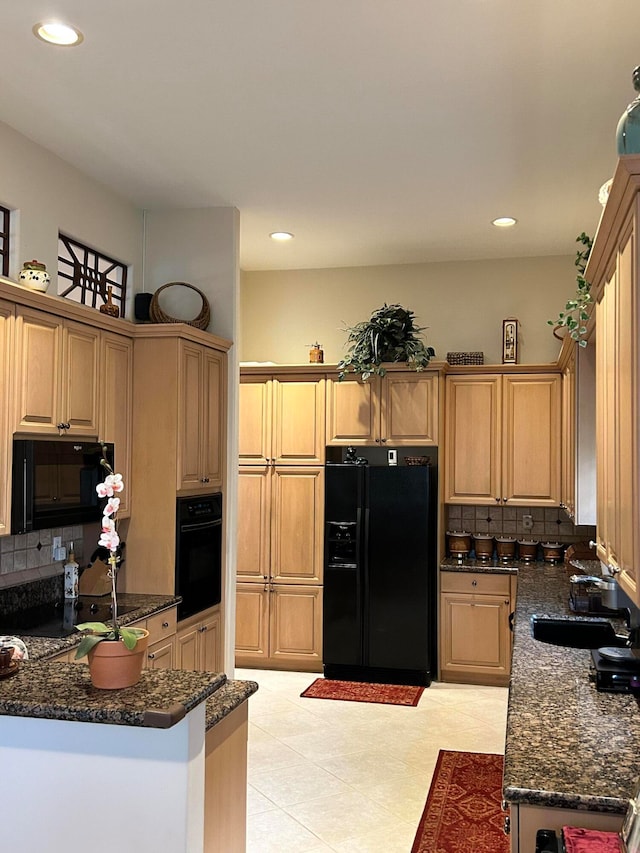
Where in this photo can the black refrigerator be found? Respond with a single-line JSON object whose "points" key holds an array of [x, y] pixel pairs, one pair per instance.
{"points": [[379, 605]]}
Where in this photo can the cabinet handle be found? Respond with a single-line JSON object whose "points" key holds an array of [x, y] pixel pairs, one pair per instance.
{"points": [[151, 656], [497, 500], [63, 425], [383, 440], [202, 629], [165, 624], [507, 825], [377, 441], [504, 500], [474, 583]]}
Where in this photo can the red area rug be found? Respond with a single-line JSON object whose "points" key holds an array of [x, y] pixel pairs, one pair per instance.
{"points": [[359, 691], [463, 812]]}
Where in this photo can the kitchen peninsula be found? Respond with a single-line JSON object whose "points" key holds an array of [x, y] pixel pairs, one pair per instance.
{"points": [[157, 766], [571, 753]]}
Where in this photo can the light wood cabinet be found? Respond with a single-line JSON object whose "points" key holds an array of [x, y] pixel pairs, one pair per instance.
{"points": [[281, 419], [57, 375], [475, 635], [201, 411], [6, 401], [280, 517], [279, 625], [400, 408], [116, 407], [578, 494], [503, 439], [179, 388], [199, 642], [613, 272]]}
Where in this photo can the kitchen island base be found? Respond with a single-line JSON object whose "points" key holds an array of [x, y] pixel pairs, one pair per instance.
{"points": [[102, 787], [526, 820]]}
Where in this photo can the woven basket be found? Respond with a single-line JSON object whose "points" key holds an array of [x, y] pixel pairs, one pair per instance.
{"points": [[465, 357], [157, 315]]}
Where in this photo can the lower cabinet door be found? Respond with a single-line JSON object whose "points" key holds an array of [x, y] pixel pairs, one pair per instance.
{"points": [[210, 643], [160, 655], [279, 626], [475, 638], [295, 629], [252, 623], [187, 648]]}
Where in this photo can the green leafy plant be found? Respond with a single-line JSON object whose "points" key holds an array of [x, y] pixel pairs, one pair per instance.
{"points": [[96, 632], [390, 335], [576, 309]]}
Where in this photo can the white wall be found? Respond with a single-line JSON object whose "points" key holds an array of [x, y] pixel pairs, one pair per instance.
{"points": [[50, 196], [201, 247], [462, 304]]}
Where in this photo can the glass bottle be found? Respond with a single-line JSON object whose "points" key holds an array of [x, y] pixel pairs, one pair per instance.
{"points": [[628, 132]]}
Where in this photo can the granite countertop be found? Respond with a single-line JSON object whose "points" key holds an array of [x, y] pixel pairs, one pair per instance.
{"points": [[567, 744], [63, 691]]}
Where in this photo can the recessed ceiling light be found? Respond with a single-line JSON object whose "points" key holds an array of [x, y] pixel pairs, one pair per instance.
{"points": [[59, 34], [504, 222], [281, 236]]}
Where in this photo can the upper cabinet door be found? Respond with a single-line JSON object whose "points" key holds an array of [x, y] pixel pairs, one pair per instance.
{"points": [[298, 413], [214, 415], [473, 440], [531, 468], [6, 400], [409, 412], [353, 411], [57, 375], [79, 378], [39, 352], [191, 404], [254, 430], [116, 400], [281, 420]]}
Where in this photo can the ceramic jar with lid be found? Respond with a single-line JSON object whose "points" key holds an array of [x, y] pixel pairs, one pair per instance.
{"points": [[483, 545], [527, 549], [459, 542], [506, 547], [34, 275]]}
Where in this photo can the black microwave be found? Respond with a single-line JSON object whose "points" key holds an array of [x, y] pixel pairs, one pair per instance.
{"points": [[54, 483]]}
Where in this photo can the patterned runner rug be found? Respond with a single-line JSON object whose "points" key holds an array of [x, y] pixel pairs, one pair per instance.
{"points": [[360, 691], [463, 812]]}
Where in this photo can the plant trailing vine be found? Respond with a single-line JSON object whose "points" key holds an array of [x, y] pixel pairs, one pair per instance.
{"points": [[576, 310], [390, 335]]}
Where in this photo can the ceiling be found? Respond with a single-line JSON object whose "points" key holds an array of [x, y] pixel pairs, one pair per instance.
{"points": [[377, 131]]}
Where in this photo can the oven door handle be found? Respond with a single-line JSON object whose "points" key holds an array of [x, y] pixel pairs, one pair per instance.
{"points": [[205, 525]]}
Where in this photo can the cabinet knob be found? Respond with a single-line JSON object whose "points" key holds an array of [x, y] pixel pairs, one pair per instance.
{"points": [[497, 500], [383, 440], [151, 656], [474, 583], [165, 624], [202, 629], [63, 425], [377, 441]]}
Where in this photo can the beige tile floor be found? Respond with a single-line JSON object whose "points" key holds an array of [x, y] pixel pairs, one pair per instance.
{"points": [[348, 776]]}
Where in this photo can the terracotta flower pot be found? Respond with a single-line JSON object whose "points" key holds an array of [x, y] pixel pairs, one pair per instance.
{"points": [[112, 666]]}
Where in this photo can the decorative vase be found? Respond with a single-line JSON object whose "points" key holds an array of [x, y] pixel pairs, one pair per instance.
{"points": [[109, 307], [628, 132], [112, 666], [34, 275]]}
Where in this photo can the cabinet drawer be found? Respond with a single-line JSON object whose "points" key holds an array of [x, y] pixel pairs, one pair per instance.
{"points": [[162, 624], [478, 583]]}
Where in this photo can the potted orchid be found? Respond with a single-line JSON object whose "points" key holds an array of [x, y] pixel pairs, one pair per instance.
{"points": [[126, 646]]}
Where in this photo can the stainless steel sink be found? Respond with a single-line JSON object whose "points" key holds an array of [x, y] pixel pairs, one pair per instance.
{"points": [[576, 634]]}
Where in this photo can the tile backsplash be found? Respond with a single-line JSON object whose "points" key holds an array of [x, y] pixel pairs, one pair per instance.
{"points": [[549, 524], [28, 557]]}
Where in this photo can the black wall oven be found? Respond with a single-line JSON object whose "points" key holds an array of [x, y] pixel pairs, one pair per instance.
{"points": [[198, 553]]}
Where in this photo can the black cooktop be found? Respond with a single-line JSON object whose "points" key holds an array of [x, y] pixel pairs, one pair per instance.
{"points": [[58, 618]]}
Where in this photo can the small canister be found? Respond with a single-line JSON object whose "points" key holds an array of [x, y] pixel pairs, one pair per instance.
{"points": [[459, 543], [527, 549], [552, 552], [71, 577], [506, 547], [34, 275], [483, 544]]}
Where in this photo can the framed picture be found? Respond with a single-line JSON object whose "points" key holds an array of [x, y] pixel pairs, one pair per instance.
{"points": [[510, 341]]}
